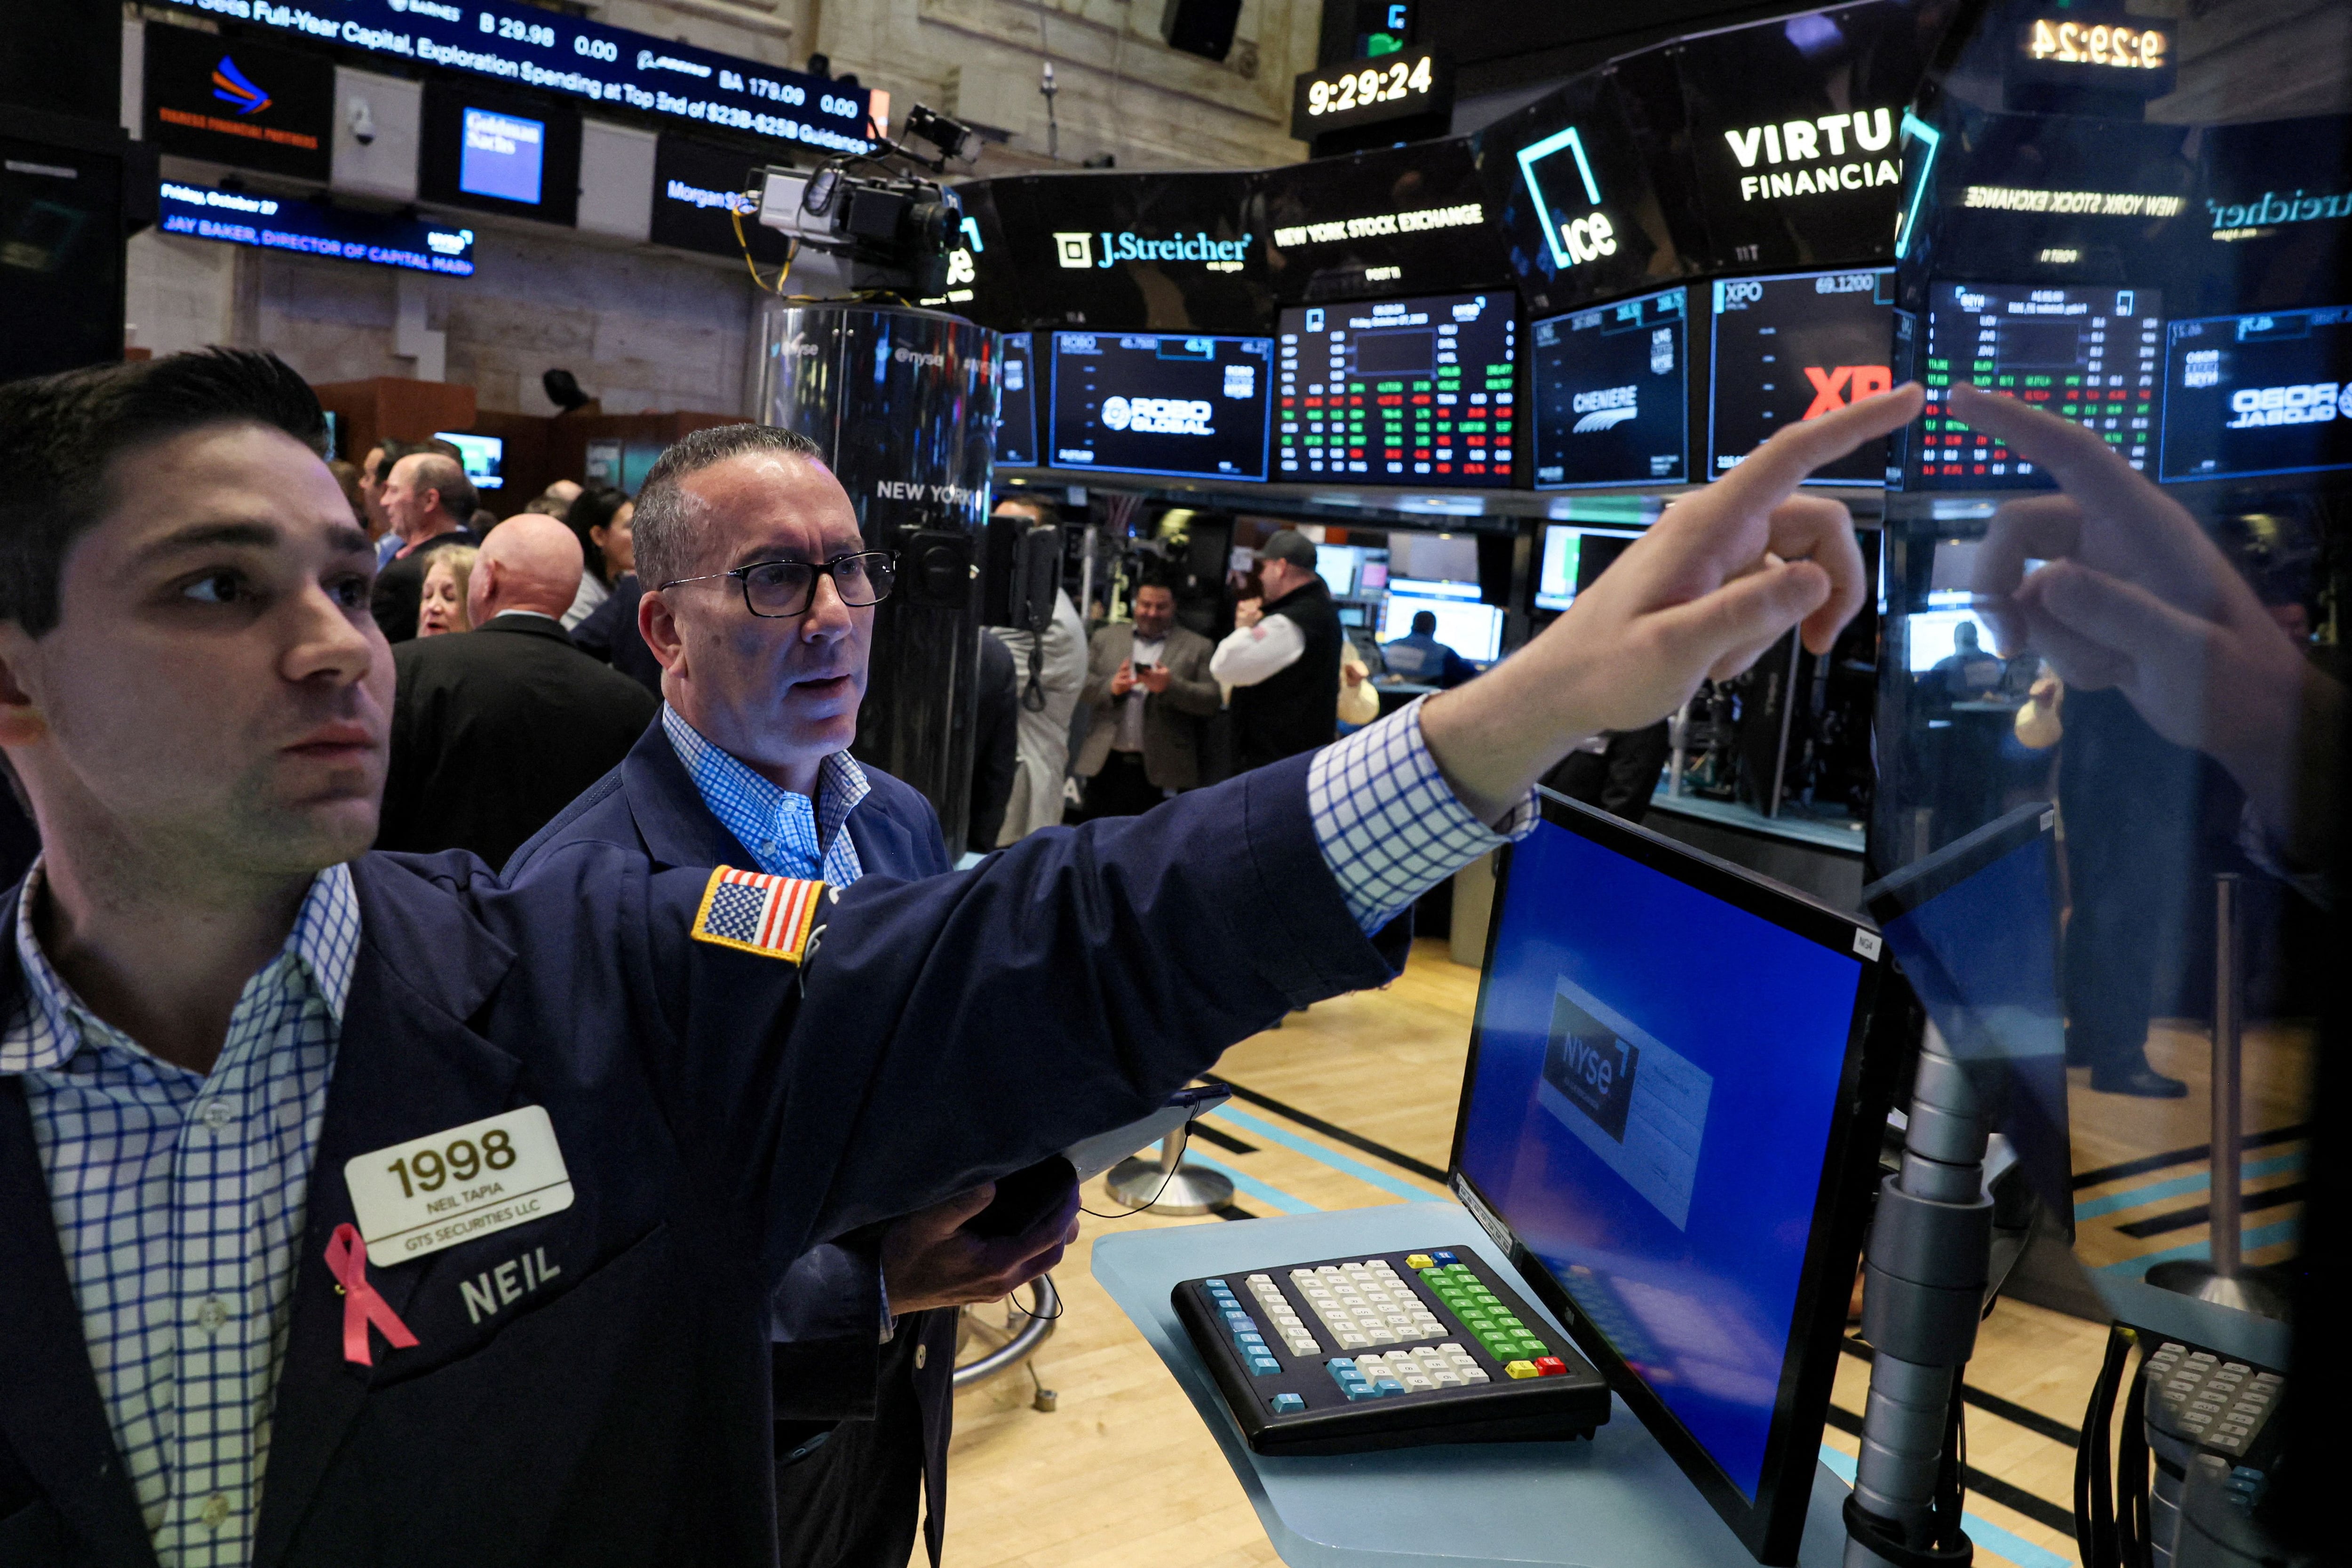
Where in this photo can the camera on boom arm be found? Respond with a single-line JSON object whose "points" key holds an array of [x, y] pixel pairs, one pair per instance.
{"points": [[882, 226]]}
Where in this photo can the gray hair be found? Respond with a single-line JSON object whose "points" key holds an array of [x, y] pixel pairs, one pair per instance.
{"points": [[667, 519], [448, 476]]}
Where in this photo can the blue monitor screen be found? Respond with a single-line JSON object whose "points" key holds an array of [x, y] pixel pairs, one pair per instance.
{"points": [[1610, 394], [1654, 1094], [1161, 403], [503, 155], [2264, 394]]}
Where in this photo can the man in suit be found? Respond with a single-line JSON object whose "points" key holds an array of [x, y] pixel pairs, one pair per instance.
{"points": [[494, 729], [1150, 688], [222, 1019], [750, 764], [428, 501]]}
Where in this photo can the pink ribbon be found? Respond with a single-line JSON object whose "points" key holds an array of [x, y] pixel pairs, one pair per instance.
{"points": [[347, 1260]]}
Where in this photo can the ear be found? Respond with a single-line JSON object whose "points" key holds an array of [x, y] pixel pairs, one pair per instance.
{"points": [[479, 588], [657, 624], [21, 721]]}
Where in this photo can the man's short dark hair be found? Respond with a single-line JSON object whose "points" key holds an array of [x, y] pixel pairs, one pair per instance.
{"points": [[1423, 622], [447, 475], [664, 526], [61, 436]]}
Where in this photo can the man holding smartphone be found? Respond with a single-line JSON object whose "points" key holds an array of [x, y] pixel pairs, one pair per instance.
{"points": [[1149, 686]]}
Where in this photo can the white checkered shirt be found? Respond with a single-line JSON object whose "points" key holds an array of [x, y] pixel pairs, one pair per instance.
{"points": [[784, 831], [1388, 823], [179, 1199]]}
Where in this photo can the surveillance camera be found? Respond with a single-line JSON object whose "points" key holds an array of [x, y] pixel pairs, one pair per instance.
{"points": [[362, 122]]}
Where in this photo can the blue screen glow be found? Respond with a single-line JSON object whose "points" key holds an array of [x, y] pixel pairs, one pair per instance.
{"points": [[1655, 1088], [504, 155]]}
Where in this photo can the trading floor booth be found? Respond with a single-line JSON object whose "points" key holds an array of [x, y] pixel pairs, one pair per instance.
{"points": [[1987, 952]]}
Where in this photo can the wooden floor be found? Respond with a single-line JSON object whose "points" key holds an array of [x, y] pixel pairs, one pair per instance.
{"points": [[1123, 1474]]}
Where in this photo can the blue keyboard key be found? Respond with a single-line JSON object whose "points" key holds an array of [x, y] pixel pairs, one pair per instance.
{"points": [[1442, 1257], [1264, 1366], [1388, 1385], [1288, 1404], [1216, 1284]]}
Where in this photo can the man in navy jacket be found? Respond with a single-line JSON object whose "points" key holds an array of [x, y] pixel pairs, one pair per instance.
{"points": [[748, 763], [456, 1208]]}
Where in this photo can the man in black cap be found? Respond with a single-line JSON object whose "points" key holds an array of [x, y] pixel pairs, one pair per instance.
{"points": [[1283, 659]]}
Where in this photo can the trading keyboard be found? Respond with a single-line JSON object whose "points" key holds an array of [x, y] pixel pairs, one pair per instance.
{"points": [[1387, 1351]]}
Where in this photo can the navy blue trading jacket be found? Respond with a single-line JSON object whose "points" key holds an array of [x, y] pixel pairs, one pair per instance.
{"points": [[825, 1319], [721, 1113]]}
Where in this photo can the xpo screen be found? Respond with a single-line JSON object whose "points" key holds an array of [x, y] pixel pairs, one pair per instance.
{"points": [[1407, 389], [1610, 394], [2086, 354], [1148, 403], [2267, 394], [1795, 348]]}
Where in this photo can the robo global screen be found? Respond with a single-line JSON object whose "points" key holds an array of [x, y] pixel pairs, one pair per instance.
{"points": [[2264, 394], [1145, 403], [1654, 1094], [1610, 394]]}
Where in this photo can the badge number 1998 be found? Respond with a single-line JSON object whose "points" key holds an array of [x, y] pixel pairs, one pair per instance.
{"points": [[454, 1186]]}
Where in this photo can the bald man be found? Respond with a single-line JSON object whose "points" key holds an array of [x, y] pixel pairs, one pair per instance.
{"points": [[494, 730]]}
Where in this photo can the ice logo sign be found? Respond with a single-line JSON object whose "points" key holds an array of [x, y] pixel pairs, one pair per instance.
{"points": [[1605, 410], [2315, 403], [1633, 1100], [1157, 416]]}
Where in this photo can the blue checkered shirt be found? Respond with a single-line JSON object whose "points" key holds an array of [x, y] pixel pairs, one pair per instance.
{"points": [[784, 831], [179, 1199], [1389, 825]]}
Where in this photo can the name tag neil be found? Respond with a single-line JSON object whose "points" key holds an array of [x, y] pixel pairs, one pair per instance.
{"points": [[420, 1196]]}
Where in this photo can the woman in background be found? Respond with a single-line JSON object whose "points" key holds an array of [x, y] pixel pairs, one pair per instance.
{"points": [[446, 575], [600, 518]]}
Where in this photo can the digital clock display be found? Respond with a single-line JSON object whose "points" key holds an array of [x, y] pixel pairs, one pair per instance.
{"points": [[1366, 92], [2097, 44]]}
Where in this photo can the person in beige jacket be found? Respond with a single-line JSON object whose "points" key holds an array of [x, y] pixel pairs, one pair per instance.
{"points": [[1149, 685]]}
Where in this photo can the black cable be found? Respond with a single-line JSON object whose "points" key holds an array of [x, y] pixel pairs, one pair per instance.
{"points": [[2094, 1514]]}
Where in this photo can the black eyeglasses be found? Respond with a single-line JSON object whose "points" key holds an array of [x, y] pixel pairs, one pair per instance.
{"points": [[777, 590]]}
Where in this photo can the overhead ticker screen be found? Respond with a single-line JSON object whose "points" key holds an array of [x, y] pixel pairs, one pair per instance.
{"points": [[1794, 348], [1152, 403], [1017, 404], [1612, 394], [2086, 354], [2263, 394], [1399, 391]]}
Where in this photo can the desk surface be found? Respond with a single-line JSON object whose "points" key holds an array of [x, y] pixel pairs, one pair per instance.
{"points": [[1617, 1501]]}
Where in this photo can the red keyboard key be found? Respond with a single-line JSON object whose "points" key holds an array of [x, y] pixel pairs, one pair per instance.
{"points": [[1550, 1366]]}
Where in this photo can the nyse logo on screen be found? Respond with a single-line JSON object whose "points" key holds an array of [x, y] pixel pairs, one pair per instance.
{"points": [[2314, 402], [1606, 409], [1835, 386], [1815, 142]]}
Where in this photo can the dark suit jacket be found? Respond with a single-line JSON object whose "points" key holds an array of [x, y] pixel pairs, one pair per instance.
{"points": [[995, 743], [611, 634], [828, 1314], [720, 1112], [1171, 718], [400, 588], [495, 729]]}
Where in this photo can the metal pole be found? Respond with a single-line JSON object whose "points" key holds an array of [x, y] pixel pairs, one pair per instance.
{"points": [[1679, 729], [1787, 713], [2226, 1206]]}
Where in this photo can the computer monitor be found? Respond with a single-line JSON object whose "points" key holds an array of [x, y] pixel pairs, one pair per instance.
{"points": [[1573, 557], [1337, 565], [1432, 587], [1793, 348], [1612, 394], [2091, 355], [485, 456], [1667, 1122], [2269, 393], [1471, 629], [1161, 403], [1434, 557], [1402, 391], [1017, 404]]}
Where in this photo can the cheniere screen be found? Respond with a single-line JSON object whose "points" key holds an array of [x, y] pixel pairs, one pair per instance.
{"points": [[1611, 393], [1655, 1087]]}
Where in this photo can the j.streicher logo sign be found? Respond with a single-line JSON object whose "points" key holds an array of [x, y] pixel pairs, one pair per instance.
{"points": [[1077, 248]]}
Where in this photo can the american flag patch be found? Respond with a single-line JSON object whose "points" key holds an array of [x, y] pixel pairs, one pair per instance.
{"points": [[757, 913]]}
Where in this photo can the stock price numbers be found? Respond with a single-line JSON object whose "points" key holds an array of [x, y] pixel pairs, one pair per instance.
{"points": [[1367, 93]]}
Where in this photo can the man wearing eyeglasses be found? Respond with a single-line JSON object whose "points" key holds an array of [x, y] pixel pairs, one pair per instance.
{"points": [[760, 606]]}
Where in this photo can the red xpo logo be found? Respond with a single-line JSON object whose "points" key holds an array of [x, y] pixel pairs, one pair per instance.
{"points": [[1835, 388]]}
